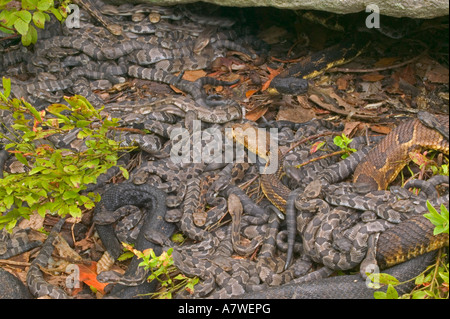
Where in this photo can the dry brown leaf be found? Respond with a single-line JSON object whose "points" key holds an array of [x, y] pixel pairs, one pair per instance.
{"points": [[408, 74], [350, 128], [380, 129], [273, 35], [273, 73], [256, 113], [298, 114], [176, 90], [88, 275], [385, 62], [249, 93], [84, 244], [35, 222], [438, 74], [193, 75], [64, 250], [342, 83], [373, 77]]}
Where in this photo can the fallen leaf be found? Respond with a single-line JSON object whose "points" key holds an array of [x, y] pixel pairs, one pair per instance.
{"points": [[272, 73], [64, 250], [176, 90], [298, 114], [84, 244], [342, 83], [256, 113], [372, 77], [438, 74], [420, 159], [385, 62], [249, 93], [273, 35], [88, 275], [408, 74], [193, 75], [316, 146], [35, 221], [350, 128], [380, 129]]}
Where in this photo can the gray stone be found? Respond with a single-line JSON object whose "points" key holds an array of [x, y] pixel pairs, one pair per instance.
{"points": [[406, 8]]}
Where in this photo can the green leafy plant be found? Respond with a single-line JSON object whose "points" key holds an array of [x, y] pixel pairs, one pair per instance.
{"points": [[343, 141], [439, 220], [54, 177], [431, 283], [17, 16], [162, 269]]}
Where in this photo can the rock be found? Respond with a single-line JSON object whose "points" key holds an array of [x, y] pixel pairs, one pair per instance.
{"points": [[407, 8]]}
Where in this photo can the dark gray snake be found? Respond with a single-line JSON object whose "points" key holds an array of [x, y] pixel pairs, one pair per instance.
{"points": [[346, 287], [152, 201]]}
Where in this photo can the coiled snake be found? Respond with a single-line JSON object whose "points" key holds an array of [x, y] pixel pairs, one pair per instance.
{"points": [[399, 243]]}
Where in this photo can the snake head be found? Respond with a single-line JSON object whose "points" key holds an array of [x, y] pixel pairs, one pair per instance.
{"points": [[288, 86]]}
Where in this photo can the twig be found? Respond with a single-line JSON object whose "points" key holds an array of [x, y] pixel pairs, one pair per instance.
{"points": [[390, 67], [248, 183], [321, 157], [15, 263], [127, 129], [308, 139]]}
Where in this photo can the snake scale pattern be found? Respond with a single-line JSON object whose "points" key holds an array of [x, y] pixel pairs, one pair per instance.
{"points": [[342, 226]]}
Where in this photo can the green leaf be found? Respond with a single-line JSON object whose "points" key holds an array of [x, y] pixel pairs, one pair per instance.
{"points": [[36, 170], [39, 19], [29, 4], [24, 15], [76, 180], [126, 255], [8, 200], [419, 279], [7, 18], [45, 5], [42, 210], [419, 295], [391, 293], [444, 276], [441, 221], [6, 86], [70, 169], [30, 37], [74, 211], [57, 108], [21, 158], [124, 172], [56, 13], [83, 123], [338, 141], [21, 26], [69, 195]]}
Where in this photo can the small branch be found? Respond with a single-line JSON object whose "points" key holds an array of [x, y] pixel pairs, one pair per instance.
{"points": [[308, 139], [390, 67], [321, 157]]}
